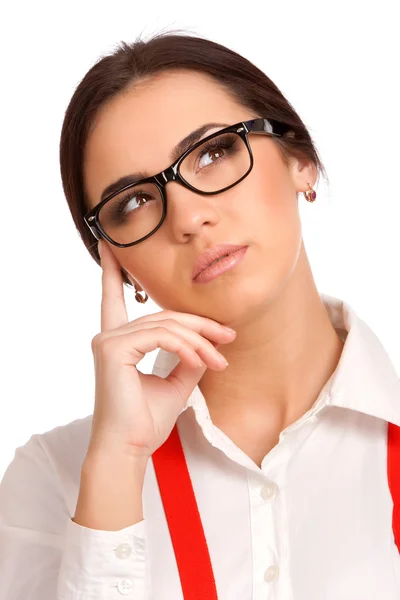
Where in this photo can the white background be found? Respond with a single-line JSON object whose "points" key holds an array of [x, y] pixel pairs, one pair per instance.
{"points": [[336, 62]]}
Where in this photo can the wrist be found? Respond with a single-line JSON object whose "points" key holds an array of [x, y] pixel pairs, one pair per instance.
{"points": [[110, 450], [110, 493]]}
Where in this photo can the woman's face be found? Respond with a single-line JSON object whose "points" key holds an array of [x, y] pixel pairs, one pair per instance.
{"points": [[136, 132]]}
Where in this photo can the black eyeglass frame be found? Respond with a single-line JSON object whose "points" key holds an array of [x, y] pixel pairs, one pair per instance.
{"points": [[263, 126]]}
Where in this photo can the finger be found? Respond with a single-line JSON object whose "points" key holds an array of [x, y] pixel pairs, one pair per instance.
{"points": [[203, 325], [132, 347], [113, 307], [184, 376], [206, 349]]}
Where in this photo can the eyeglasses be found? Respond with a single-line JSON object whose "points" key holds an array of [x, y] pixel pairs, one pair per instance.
{"points": [[212, 166]]}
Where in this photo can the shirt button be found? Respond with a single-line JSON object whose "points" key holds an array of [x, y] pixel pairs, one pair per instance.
{"points": [[125, 586], [123, 550], [269, 490], [271, 573]]}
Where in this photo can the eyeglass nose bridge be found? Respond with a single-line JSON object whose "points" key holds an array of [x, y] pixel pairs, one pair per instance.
{"points": [[170, 174]]}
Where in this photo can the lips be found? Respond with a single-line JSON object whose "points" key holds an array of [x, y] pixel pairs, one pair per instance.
{"points": [[213, 254]]}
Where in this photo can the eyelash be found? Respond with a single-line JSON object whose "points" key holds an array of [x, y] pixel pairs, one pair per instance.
{"points": [[122, 202], [226, 142]]}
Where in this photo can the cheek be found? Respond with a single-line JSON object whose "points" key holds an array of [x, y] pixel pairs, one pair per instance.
{"points": [[151, 269], [275, 226], [272, 207]]}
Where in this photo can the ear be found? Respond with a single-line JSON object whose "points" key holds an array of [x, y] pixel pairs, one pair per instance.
{"points": [[132, 280], [127, 275], [303, 172]]}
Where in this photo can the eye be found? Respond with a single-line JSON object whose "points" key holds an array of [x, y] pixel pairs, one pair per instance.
{"points": [[127, 204], [215, 151]]}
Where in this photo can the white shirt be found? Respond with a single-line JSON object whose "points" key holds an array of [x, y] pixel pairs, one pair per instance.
{"points": [[313, 523]]}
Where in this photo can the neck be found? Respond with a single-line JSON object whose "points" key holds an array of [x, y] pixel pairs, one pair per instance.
{"points": [[280, 360]]}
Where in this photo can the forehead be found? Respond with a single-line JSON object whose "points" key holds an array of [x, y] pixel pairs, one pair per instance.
{"points": [[173, 97], [137, 130]]}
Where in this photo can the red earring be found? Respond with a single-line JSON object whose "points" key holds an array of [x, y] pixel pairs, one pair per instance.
{"points": [[311, 194]]}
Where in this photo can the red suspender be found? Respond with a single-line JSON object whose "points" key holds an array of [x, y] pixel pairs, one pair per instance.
{"points": [[185, 526], [183, 517], [394, 476]]}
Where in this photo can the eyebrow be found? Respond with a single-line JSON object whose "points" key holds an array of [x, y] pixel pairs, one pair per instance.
{"points": [[176, 152]]}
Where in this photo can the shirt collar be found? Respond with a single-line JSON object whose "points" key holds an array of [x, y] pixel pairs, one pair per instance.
{"points": [[364, 380]]}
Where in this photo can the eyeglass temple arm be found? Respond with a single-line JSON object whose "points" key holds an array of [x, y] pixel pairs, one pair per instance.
{"points": [[269, 126]]}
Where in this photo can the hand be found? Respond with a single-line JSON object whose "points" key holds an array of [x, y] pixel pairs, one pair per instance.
{"points": [[135, 412]]}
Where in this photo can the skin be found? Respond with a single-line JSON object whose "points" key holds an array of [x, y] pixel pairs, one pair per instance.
{"points": [[286, 348]]}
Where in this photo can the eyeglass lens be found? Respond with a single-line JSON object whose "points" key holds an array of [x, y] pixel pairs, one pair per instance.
{"points": [[211, 167]]}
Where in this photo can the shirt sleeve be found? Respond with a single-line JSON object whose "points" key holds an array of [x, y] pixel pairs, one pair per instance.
{"points": [[44, 555]]}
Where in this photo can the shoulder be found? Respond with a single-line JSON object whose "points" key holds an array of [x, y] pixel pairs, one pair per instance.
{"points": [[49, 466], [65, 444]]}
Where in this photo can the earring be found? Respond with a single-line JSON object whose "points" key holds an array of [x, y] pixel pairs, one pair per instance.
{"points": [[140, 298], [311, 194]]}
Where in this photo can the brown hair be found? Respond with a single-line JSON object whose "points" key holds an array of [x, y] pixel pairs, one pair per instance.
{"points": [[131, 63]]}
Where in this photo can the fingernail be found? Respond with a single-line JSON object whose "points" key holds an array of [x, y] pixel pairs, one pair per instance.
{"points": [[229, 329]]}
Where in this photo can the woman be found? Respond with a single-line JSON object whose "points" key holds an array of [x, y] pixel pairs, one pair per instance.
{"points": [[175, 154]]}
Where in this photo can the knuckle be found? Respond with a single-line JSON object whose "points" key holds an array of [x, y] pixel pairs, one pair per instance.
{"points": [[103, 345], [96, 341], [110, 297], [160, 329], [169, 322]]}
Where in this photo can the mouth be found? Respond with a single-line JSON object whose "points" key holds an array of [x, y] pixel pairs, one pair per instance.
{"points": [[220, 265], [216, 260], [212, 256]]}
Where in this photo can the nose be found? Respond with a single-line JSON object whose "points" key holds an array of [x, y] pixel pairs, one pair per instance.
{"points": [[188, 211]]}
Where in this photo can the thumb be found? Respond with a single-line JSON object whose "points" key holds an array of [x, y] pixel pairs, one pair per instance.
{"points": [[185, 379]]}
